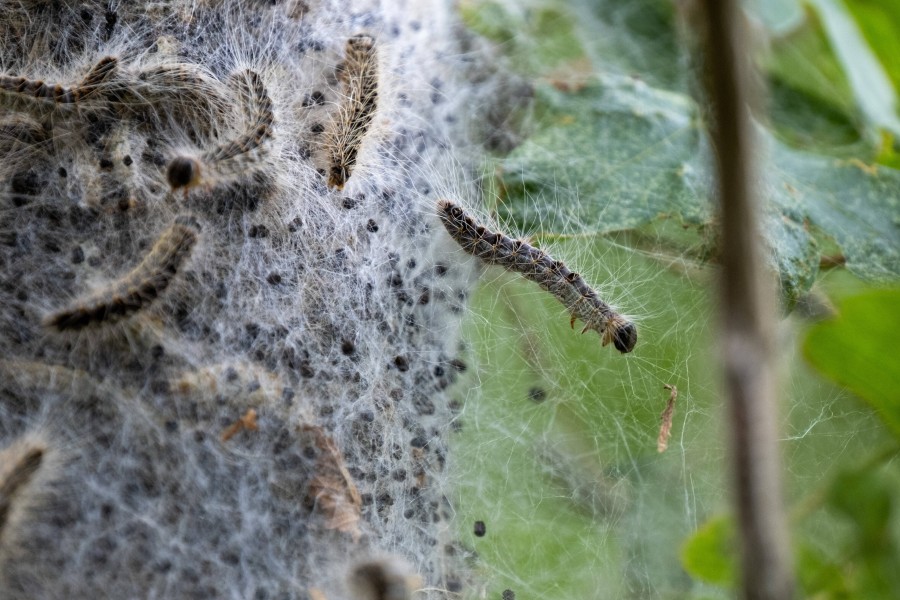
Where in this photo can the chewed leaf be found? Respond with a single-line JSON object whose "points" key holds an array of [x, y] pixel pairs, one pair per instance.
{"points": [[857, 205], [617, 155], [872, 88], [612, 156]]}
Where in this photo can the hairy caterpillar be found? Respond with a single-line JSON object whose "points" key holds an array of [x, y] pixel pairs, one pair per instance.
{"points": [[18, 464], [26, 376], [567, 286], [141, 286], [185, 171], [346, 131], [41, 90]]}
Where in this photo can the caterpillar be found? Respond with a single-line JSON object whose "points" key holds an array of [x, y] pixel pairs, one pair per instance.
{"points": [[566, 286], [28, 377], [41, 90], [18, 465], [187, 171], [346, 131], [140, 287]]}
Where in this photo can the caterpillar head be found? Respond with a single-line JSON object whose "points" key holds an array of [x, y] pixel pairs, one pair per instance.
{"points": [[183, 172], [622, 333]]}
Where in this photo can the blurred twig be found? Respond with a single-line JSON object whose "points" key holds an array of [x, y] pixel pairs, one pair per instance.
{"points": [[747, 314]]}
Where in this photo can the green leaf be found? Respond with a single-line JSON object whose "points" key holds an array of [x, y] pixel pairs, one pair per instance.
{"points": [[811, 104], [619, 154], [615, 152], [855, 204], [858, 350], [817, 575], [710, 554], [866, 499], [879, 21], [612, 156], [778, 16], [537, 40], [803, 60], [559, 39], [872, 88], [634, 37]]}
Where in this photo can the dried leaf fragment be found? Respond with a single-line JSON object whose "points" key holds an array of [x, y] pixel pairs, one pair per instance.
{"points": [[248, 422], [665, 428], [332, 487]]}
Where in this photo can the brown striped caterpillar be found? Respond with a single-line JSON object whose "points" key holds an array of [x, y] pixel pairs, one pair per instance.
{"points": [[186, 171], [552, 275], [18, 465], [357, 110], [56, 93], [28, 377], [140, 287]]}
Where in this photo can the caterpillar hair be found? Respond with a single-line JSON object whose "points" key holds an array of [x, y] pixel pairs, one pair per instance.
{"points": [[139, 288], [357, 110], [185, 89], [566, 286], [19, 132], [186, 171]]}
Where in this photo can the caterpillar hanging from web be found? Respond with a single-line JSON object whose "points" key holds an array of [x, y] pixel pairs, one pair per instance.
{"points": [[552, 275]]}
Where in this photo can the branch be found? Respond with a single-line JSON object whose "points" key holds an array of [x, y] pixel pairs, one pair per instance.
{"points": [[747, 313]]}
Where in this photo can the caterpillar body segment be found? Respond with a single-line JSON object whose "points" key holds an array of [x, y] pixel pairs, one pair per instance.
{"points": [[56, 93], [104, 70], [356, 111], [140, 287], [552, 275], [261, 120]]}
